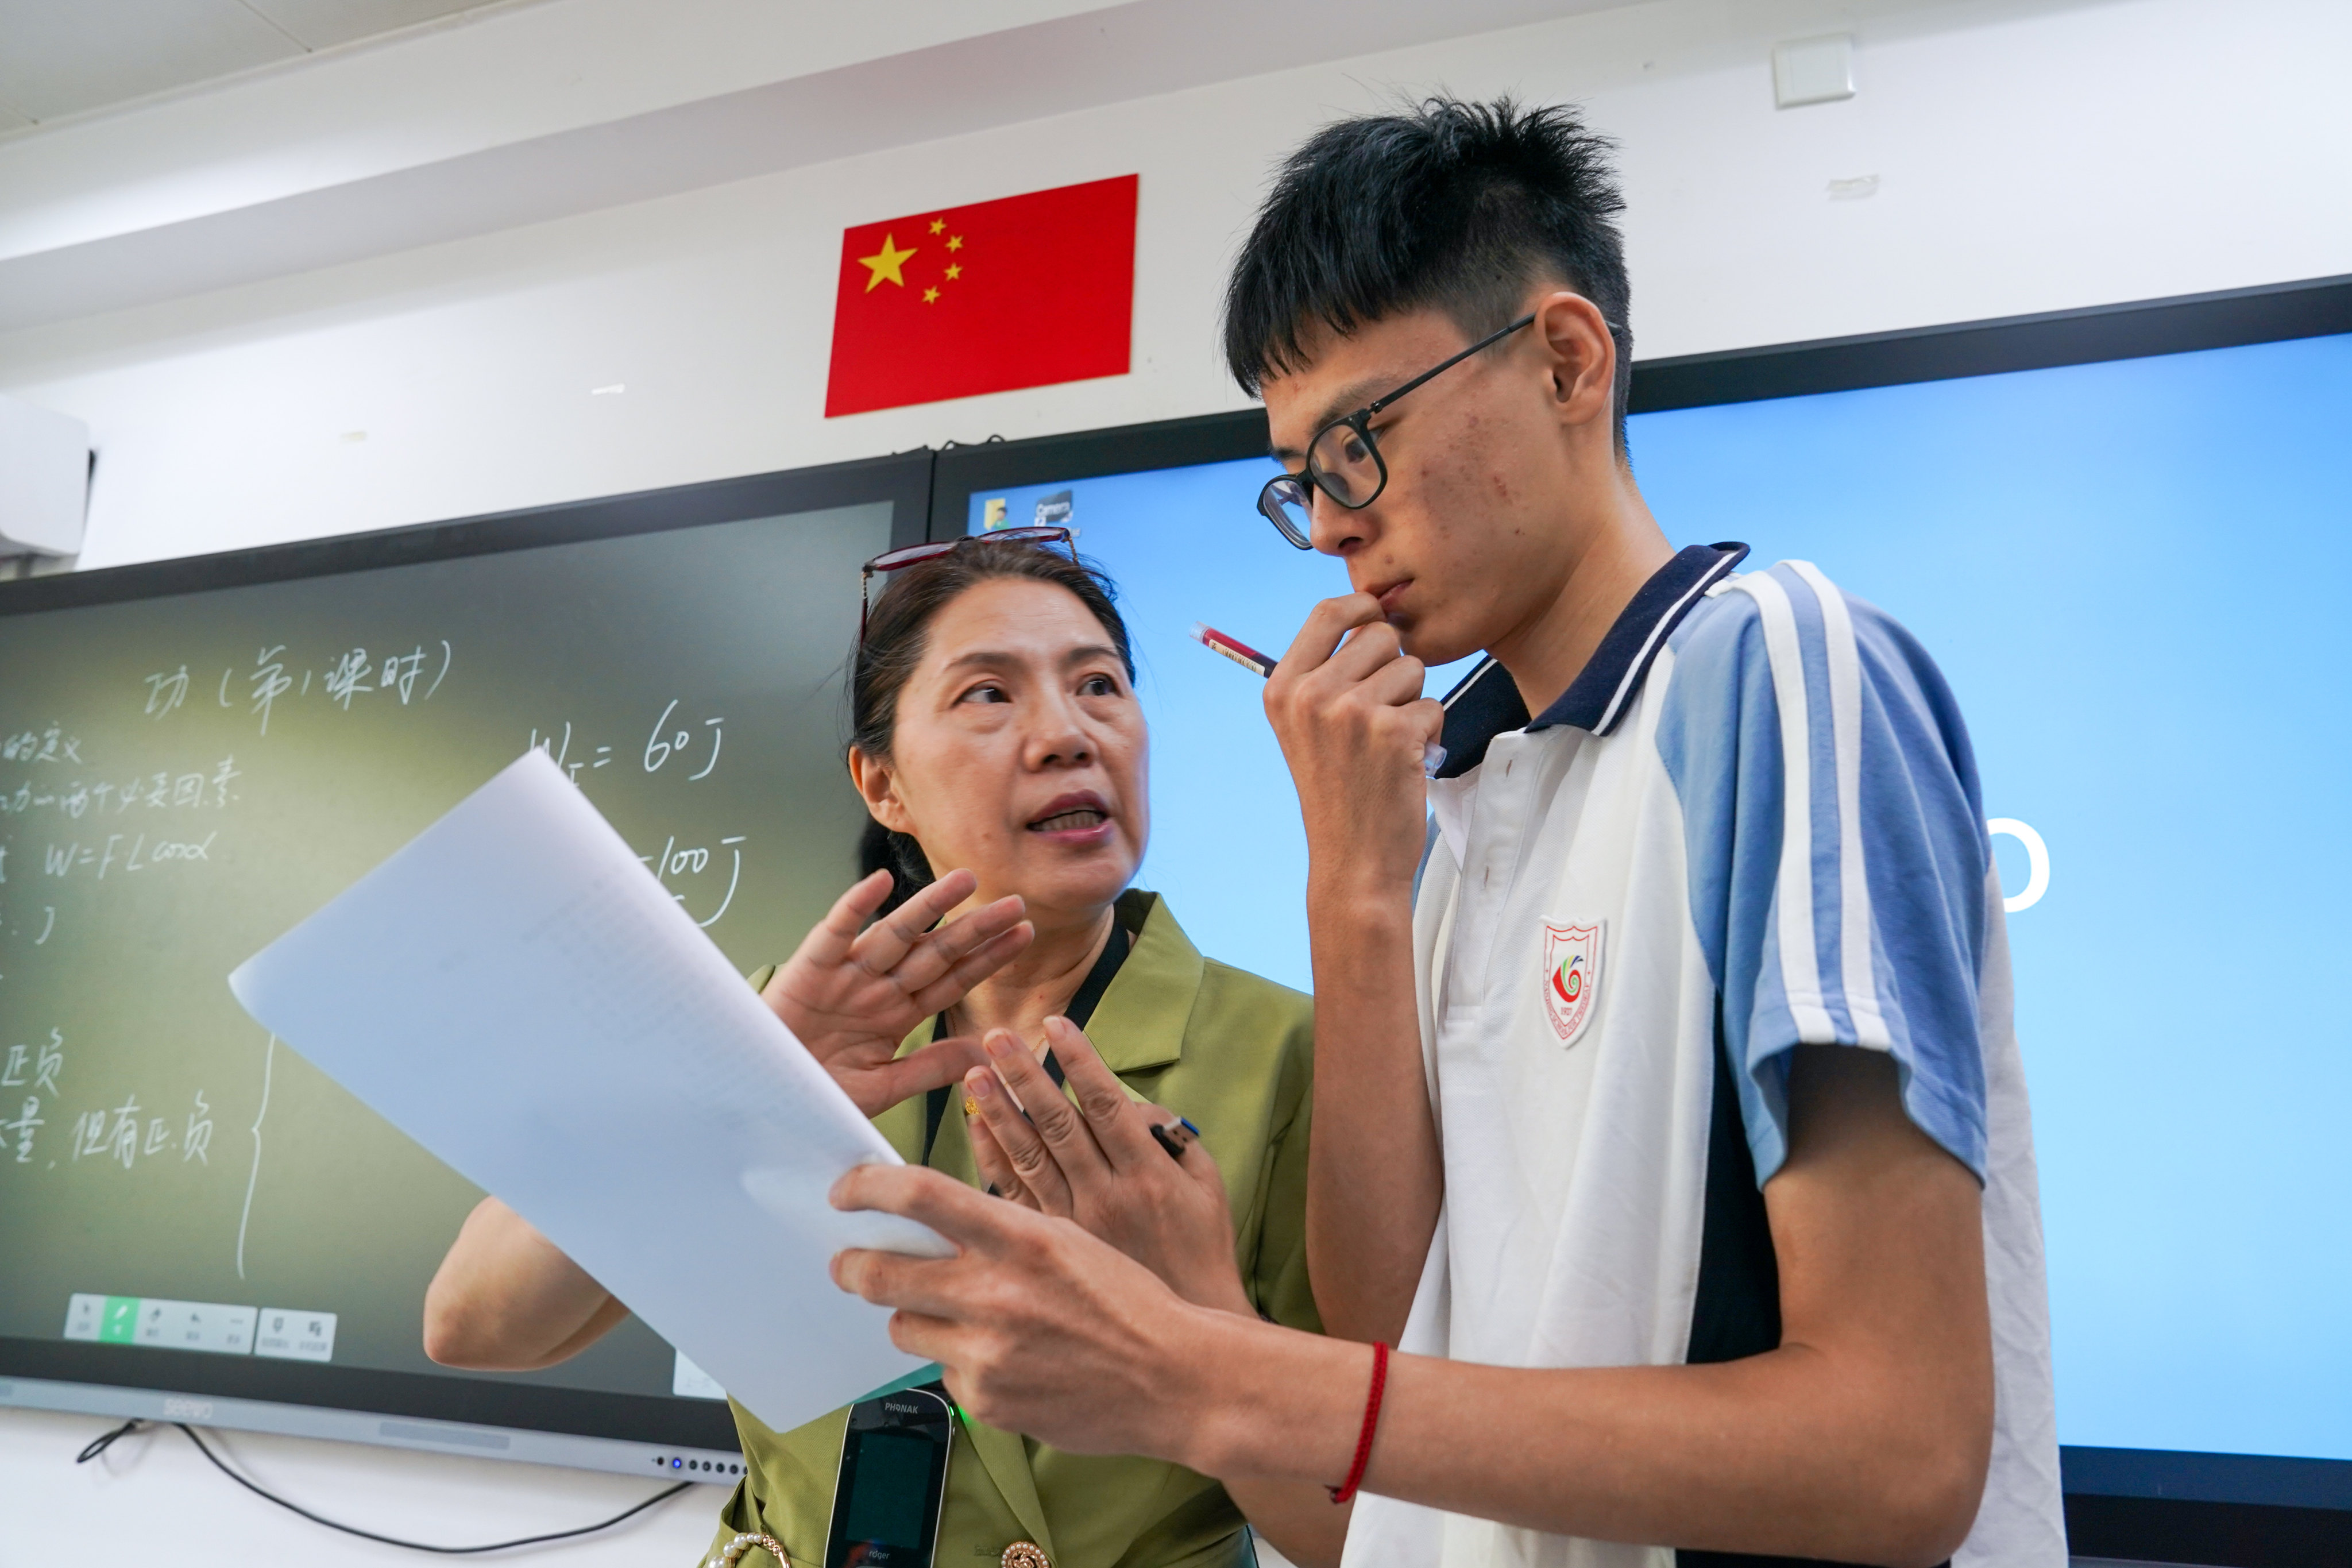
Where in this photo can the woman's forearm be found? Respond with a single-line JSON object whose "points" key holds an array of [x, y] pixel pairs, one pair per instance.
{"points": [[508, 1299]]}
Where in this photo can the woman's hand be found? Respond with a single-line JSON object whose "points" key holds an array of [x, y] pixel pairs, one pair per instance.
{"points": [[1098, 1163], [852, 991]]}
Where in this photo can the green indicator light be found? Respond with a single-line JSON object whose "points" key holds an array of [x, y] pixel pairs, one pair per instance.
{"points": [[118, 1321]]}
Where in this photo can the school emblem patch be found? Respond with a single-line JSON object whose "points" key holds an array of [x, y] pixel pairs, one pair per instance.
{"points": [[1571, 976]]}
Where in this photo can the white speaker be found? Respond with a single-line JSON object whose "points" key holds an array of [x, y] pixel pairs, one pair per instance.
{"points": [[44, 480]]}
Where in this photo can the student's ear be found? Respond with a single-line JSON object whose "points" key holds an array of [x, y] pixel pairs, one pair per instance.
{"points": [[1575, 339], [877, 782]]}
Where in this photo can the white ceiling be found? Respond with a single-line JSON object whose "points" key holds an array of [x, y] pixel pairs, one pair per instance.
{"points": [[483, 117], [60, 58], [267, 175]]}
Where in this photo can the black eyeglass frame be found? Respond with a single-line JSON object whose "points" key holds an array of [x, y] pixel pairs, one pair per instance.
{"points": [[908, 555], [1269, 503]]}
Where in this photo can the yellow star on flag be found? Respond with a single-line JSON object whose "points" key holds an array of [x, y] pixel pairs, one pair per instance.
{"points": [[886, 263], [954, 272], [930, 295], [939, 226], [955, 241]]}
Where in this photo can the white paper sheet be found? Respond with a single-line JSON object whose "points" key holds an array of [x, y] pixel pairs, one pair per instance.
{"points": [[516, 991]]}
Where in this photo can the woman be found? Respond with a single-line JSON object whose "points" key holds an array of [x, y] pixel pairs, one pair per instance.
{"points": [[995, 730]]}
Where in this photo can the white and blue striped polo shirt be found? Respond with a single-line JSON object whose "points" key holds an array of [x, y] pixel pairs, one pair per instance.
{"points": [[1752, 823]]}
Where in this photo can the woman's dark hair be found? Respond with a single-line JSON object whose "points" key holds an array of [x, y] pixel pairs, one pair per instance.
{"points": [[898, 629]]}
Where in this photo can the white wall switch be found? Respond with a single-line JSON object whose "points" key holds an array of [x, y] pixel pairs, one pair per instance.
{"points": [[1813, 71]]}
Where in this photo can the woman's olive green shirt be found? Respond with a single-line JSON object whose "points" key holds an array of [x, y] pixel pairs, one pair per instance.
{"points": [[1233, 1053]]}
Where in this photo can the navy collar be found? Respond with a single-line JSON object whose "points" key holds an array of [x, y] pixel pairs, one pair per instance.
{"points": [[1486, 703]]}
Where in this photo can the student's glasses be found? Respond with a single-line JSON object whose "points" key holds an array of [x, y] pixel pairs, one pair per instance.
{"points": [[916, 554], [1344, 461]]}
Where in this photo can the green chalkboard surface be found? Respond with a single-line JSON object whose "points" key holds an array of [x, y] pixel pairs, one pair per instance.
{"points": [[185, 774]]}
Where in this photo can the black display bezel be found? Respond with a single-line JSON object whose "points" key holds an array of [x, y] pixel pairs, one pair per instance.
{"points": [[2147, 1505], [2274, 313], [904, 480], [492, 1399]]}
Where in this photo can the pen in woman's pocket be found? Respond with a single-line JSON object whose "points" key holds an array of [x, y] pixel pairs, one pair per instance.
{"points": [[1433, 755], [1166, 1133]]}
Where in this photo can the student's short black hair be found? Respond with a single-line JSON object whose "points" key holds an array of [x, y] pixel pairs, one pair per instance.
{"points": [[1460, 207]]}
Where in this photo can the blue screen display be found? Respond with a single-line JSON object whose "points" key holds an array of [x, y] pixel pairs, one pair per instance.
{"points": [[2125, 571], [1187, 545]]}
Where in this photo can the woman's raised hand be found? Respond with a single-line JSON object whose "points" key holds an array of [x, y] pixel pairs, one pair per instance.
{"points": [[1099, 1164], [853, 991]]}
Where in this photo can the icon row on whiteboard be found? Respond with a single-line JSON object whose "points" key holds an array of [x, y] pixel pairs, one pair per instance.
{"points": [[214, 1327]]}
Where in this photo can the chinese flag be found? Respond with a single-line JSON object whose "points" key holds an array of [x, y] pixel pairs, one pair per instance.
{"points": [[1025, 291]]}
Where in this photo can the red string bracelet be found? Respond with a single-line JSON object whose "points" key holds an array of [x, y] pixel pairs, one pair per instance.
{"points": [[1346, 1490]]}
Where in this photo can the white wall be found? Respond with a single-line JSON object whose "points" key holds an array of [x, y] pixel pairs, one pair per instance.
{"points": [[471, 83], [2031, 156]]}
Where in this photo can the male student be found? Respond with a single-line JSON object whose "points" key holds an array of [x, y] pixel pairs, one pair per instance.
{"points": [[1668, 1116]]}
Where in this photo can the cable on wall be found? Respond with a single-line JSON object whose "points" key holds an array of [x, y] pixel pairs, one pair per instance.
{"points": [[106, 1440]]}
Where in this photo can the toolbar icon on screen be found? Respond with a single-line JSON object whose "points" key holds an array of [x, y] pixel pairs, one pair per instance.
{"points": [[295, 1336]]}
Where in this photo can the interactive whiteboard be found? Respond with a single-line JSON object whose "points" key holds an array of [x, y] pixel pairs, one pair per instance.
{"points": [[186, 1204]]}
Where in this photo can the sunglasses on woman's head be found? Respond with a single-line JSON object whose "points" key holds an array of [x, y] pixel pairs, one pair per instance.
{"points": [[916, 554]]}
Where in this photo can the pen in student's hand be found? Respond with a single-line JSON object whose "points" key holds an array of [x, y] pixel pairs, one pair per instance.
{"points": [[1233, 649], [1433, 755]]}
